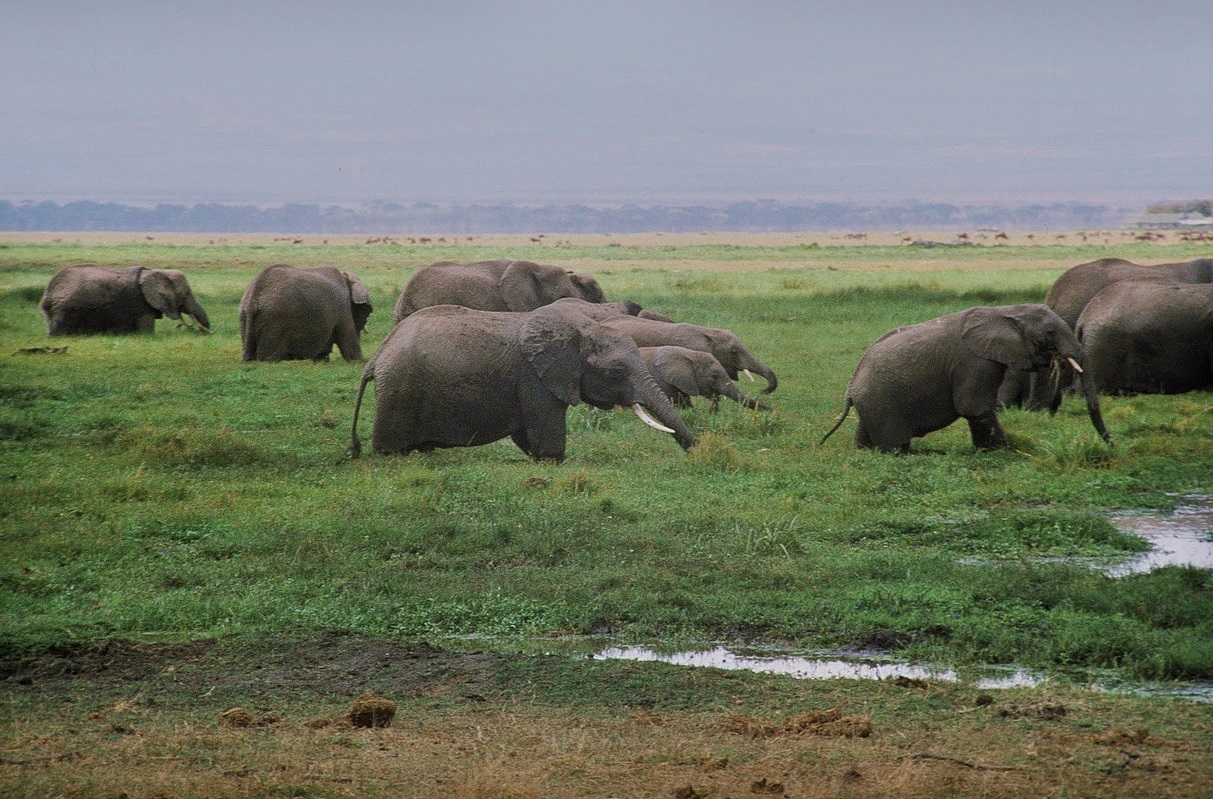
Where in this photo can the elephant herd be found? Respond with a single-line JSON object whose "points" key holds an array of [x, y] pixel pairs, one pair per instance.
{"points": [[494, 349]]}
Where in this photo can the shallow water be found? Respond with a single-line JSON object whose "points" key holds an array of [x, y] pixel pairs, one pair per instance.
{"points": [[1184, 538], [874, 666], [854, 666]]}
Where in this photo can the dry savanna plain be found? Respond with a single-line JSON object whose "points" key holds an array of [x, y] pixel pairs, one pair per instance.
{"points": [[202, 596]]}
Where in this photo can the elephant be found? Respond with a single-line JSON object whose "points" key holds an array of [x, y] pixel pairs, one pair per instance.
{"points": [[723, 344], [917, 379], [1070, 293], [449, 376], [87, 298], [683, 373], [501, 285], [1149, 338], [599, 311], [288, 313]]}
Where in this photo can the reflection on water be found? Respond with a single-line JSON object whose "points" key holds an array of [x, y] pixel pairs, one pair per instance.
{"points": [[1185, 538], [871, 666], [856, 666]]}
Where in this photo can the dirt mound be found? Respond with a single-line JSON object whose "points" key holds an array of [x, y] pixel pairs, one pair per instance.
{"points": [[371, 710]]}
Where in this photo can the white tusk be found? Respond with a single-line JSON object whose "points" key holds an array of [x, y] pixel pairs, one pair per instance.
{"points": [[1074, 363], [747, 374], [649, 420]]}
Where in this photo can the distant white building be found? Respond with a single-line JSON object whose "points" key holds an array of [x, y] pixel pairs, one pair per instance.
{"points": [[1182, 221]]}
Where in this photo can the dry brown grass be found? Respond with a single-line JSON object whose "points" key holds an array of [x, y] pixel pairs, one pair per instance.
{"points": [[522, 751]]}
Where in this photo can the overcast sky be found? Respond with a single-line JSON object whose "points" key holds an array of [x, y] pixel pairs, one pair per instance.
{"points": [[598, 102]]}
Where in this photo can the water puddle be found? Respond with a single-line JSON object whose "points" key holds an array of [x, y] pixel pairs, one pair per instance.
{"points": [[854, 666], [1184, 538], [873, 666]]}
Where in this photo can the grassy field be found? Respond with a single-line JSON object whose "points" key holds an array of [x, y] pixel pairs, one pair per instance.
{"points": [[181, 531]]}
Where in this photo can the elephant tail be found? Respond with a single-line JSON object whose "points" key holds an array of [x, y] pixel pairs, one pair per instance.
{"points": [[355, 449], [846, 409]]}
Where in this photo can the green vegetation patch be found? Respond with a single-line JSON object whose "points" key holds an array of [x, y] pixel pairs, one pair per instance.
{"points": [[158, 487]]}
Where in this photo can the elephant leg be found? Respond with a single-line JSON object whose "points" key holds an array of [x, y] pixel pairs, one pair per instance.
{"points": [[521, 441], [346, 339], [543, 440], [987, 433], [885, 435]]}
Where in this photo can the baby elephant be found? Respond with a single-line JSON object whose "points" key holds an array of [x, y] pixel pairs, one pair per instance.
{"points": [[289, 313], [87, 298], [921, 378], [684, 373]]}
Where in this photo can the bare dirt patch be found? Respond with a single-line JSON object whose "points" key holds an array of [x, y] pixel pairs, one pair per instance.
{"points": [[310, 717]]}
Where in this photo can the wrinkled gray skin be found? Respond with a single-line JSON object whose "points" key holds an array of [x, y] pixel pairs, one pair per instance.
{"points": [[87, 298], [289, 313], [448, 376], [598, 311], [645, 313], [722, 344], [683, 373], [1068, 295], [501, 285], [1149, 338], [921, 378]]}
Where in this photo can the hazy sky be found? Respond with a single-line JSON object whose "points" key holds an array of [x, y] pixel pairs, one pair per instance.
{"points": [[596, 102]]}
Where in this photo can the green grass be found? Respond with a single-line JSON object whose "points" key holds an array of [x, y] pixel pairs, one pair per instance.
{"points": [[158, 487]]}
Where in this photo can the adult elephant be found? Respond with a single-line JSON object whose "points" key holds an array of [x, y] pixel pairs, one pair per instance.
{"points": [[1069, 295], [921, 378], [448, 376], [722, 344], [288, 313], [1149, 338], [683, 373], [501, 285], [87, 298]]}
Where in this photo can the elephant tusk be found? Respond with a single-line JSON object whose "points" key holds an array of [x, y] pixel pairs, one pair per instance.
{"points": [[749, 375], [1074, 364], [649, 420]]}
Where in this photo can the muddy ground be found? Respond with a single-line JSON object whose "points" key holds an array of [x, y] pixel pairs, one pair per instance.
{"points": [[279, 718]]}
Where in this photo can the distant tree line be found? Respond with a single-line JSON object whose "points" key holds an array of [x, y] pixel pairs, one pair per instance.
{"points": [[1198, 207], [384, 218]]}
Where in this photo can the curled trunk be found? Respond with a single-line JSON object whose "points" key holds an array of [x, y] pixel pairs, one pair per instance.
{"points": [[654, 400], [767, 374], [195, 310], [731, 391]]}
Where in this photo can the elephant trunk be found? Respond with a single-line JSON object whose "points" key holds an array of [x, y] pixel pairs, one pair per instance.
{"points": [[1092, 397], [195, 310], [750, 365], [731, 391], [652, 398]]}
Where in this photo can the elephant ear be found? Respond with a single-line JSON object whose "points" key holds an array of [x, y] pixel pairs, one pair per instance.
{"points": [[588, 288], [678, 371], [521, 286], [994, 335], [358, 293], [159, 290], [551, 342]]}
